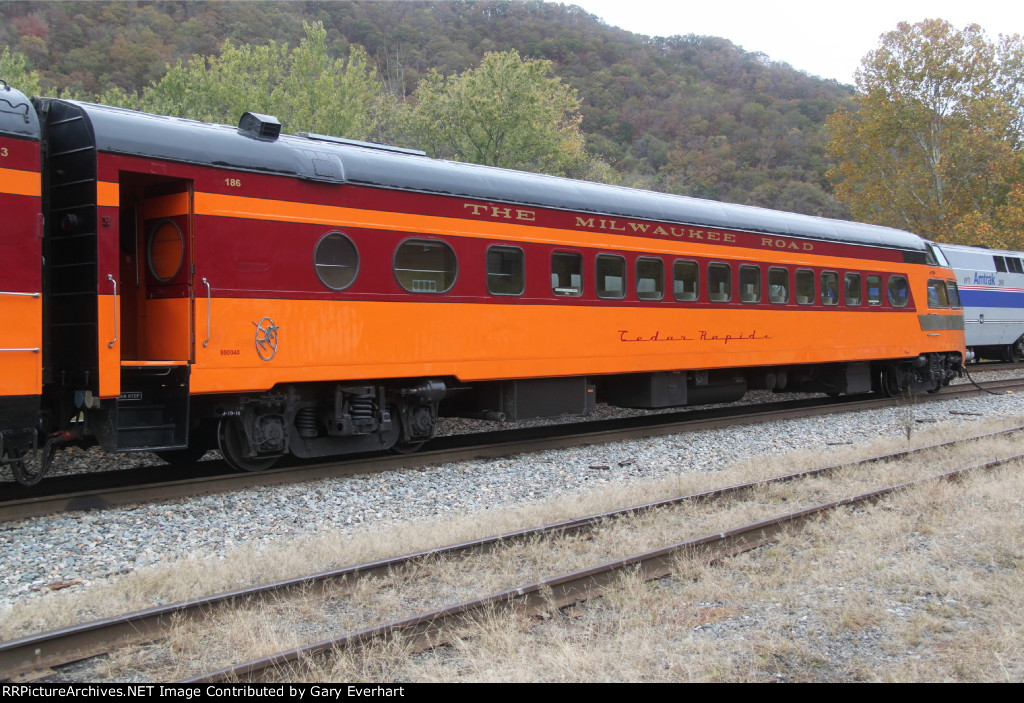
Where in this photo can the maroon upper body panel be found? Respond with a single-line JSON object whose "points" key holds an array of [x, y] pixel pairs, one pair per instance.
{"points": [[252, 257], [20, 215]]}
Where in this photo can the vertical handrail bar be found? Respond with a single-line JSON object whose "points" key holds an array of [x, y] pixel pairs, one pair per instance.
{"points": [[111, 343], [209, 304]]}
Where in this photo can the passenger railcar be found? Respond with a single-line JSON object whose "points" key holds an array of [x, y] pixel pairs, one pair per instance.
{"points": [[991, 283], [269, 294], [20, 275]]}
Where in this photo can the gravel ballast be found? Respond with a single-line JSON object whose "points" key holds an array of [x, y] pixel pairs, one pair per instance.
{"points": [[79, 549]]}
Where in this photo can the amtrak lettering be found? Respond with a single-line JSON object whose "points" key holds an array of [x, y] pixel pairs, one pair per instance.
{"points": [[702, 336], [983, 279]]}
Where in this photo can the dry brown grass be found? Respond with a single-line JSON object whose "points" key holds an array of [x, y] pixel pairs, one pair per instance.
{"points": [[871, 595], [925, 586]]}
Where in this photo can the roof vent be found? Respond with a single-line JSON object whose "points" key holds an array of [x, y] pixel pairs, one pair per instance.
{"points": [[264, 127]]}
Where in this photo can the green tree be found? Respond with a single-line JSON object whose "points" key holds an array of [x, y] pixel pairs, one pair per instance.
{"points": [[507, 112], [935, 138], [304, 87], [14, 69]]}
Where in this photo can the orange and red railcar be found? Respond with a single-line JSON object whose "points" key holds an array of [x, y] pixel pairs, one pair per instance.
{"points": [[206, 285], [20, 273]]}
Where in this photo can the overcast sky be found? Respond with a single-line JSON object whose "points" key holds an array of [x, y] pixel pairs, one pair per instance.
{"points": [[823, 38]]}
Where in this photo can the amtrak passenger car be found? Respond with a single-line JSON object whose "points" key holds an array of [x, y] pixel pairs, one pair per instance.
{"points": [[991, 283]]}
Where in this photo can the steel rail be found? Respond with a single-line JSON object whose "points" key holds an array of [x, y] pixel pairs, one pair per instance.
{"points": [[48, 649], [427, 630], [652, 426]]}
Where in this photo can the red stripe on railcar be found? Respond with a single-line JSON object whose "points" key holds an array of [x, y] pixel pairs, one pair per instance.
{"points": [[286, 191], [20, 155]]}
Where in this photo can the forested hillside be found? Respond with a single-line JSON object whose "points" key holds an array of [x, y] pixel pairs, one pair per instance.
{"points": [[687, 114]]}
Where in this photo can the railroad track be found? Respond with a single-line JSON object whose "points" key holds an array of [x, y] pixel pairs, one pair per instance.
{"points": [[29, 656], [25, 504]]}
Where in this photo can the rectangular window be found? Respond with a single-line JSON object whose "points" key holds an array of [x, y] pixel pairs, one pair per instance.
{"points": [[650, 278], [938, 297], [829, 288], [874, 290], [954, 295], [1000, 263], [1013, 263], [778, 285], [719, 283], [804, 287], [567, 273], [852, 289], [505, 270], [750, 284], [685, 280], [610, 276]]}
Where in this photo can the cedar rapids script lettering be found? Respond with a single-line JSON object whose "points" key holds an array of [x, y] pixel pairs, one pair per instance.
{"points": [[701, 336], [632, 227]]}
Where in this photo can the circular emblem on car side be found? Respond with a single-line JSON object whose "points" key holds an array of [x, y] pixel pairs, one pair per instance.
{"points": [[266, 338]]}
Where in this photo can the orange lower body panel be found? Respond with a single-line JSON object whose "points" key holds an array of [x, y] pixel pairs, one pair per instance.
{"points": [[255, 344], [21, 358]]}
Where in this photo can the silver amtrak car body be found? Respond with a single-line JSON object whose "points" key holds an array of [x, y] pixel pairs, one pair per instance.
{"points": [[991, 283]]}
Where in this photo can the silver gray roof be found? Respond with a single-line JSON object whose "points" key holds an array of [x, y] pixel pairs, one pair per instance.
{"points": [[17, 116], [124, 131]]}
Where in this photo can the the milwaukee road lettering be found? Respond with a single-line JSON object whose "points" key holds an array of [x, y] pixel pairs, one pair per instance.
{"points": [[684, 232], [614, 225], [655, 230]]}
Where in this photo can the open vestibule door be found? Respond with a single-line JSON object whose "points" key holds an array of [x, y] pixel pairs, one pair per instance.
{"points": [[156, 311]]}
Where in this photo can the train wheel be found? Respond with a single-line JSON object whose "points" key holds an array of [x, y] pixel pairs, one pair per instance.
{"points": [[232, 442], [1012, 353], [407, 446], [890, 382]]}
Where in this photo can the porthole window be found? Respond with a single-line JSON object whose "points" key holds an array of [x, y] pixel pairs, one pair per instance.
{"points": [[336, 260], [778, 285], [567, 273], [425, 266], [685, 280], [852, 289], [750, 284], [610, 276], [166, 250], [650, 278], [505, 270], [899, 291]]}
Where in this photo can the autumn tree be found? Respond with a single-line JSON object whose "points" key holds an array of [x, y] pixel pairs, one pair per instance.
{"points": [[14, 69], [935, 140], [508, 112], [304, 87]]}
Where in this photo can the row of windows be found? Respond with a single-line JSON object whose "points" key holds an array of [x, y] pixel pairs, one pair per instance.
{"points": [[610, 274], [943, 294], [430, 266], [1008, 264]]}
